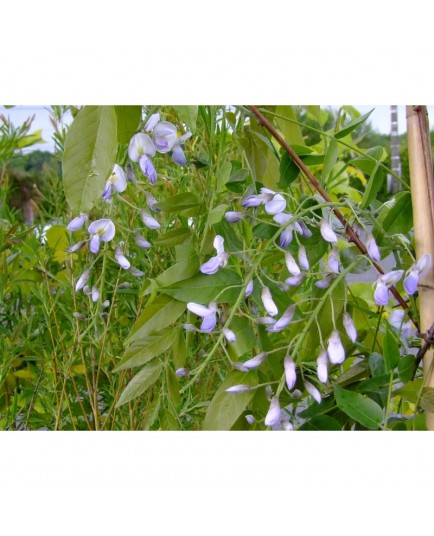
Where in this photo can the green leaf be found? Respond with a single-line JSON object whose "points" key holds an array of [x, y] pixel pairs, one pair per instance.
{"points": [[291, 131], [349, 255], [184, 269], [246, 339], [289, 171], [352, 125], [178, 202], [89, 156], [174, 237], [160, 314], [411, 390], [406, 368], [128, 119], [57, 239], [390, 351], [204, 288], [217, 214], [373, 186], [256, 153], [225, 408], [30, 139], [330, 159], [141, 382], [146, 349], [376, 364], [188, 114], [396, 216], [321, 423], [366, 164], [360, 408], [427, 399]]}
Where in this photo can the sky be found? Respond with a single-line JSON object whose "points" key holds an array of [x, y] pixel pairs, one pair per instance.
{"points": [[379, 119]]}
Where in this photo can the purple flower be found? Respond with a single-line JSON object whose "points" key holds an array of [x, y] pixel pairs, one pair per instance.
{"points": [[254, 362], [178, 155], [372, 248], [313, 391], [164, 136], [290, 372], [291, 264], [273, 415], [268, 302], [104, 230], [240, 388], [209, 314], [302, 258], [250, 419], [417, 271], [151, 202], [229, 335], [77, 223], [274, 203], [252, 201], [135, 272], [249, 288], [148, 168], [307, 233], [151, 122], [149, 221], [140, 150], [325, 282], [333, 260], [335, 349], [234, 217], [384, 282], [217, 262], [121, 259], [295, 280], [322, 366], [286, 234], [116, 181], [350, 328], [82, 280], [76, 247], [327, 232], [141, 242], [182, 372], [95, 293], [284, 321]]}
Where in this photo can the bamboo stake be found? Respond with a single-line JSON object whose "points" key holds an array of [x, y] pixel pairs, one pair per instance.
{"points": [[422, 195]]}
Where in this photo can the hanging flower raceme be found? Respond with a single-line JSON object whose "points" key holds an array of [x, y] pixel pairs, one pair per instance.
{"points": [[77, 223], [117, 181], [209, 314], [104, 230], [218, 261], [418, 270], [384, 282], [141, 149]]}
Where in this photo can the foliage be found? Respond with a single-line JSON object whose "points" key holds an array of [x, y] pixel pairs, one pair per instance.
{"points": [[149, 329]]}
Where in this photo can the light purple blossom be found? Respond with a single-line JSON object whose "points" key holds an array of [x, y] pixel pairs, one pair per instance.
{"points": [[265, 320], [273, 415], [313, 391], [268, 302], [295, 280], [287, 426], [209, 314], [333, 260], [274, 203], [396, 318], [77, 223], [327, 232], [322, 370], [234, 216], [136, 272], [249, 288], [290, 372], [372, 248], [250, 419], [104, 230], [303, 261], [335, 349], [178, 155], [95, 293], [82, 280], [229, 335], [141, 242], [252, 201], [121, 259], [418, 270], [149, 221], [350, 328], [76, 247], [307, 233], [325, 282], [286, 235], [182, 372], [254, 362], [284, 321], [291, 264], [240, 388], [164, 136], [151, 202], [219, 261], [151, 122], [116, 181], [141, 150], [384, 282]]}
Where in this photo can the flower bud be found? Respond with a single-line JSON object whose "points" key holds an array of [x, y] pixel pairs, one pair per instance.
{"points": [[290, 372], [313, 391], [327, 232], [350, 328], [241, 388], [335, 349], [273, 415]]}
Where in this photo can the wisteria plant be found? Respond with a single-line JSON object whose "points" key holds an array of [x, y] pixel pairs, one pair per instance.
{"points": [[231, 268]]}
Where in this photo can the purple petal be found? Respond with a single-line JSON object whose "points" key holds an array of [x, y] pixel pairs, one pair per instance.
{"points": [[252, 201], [149, 221], [152, 121], [411, 282], [178, 155], [276, 205], [209, 322], [148, 168], [313, 391], [372, 248], [381, 294], [335, 349], [322, 371], [295, 280], [286, 237], [82, 280], [302, 258], [233, 216], [290, 372], [284, 321], [229, 335], [268, 302], [254, 362], [141, 242], [293, 269], [241, 388], [77, 223], [273, 415], [212, 266], [327, 232], [249, 288], [350, 328], [94, 243]]}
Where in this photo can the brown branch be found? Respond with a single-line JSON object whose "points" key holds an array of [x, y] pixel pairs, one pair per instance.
{"points": [[348, 229]]}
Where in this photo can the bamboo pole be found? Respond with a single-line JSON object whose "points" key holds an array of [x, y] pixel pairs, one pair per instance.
{"points": [[422, 195]]}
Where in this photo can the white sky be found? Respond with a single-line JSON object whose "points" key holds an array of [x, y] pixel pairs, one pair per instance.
{"points": [[379, 119]]}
